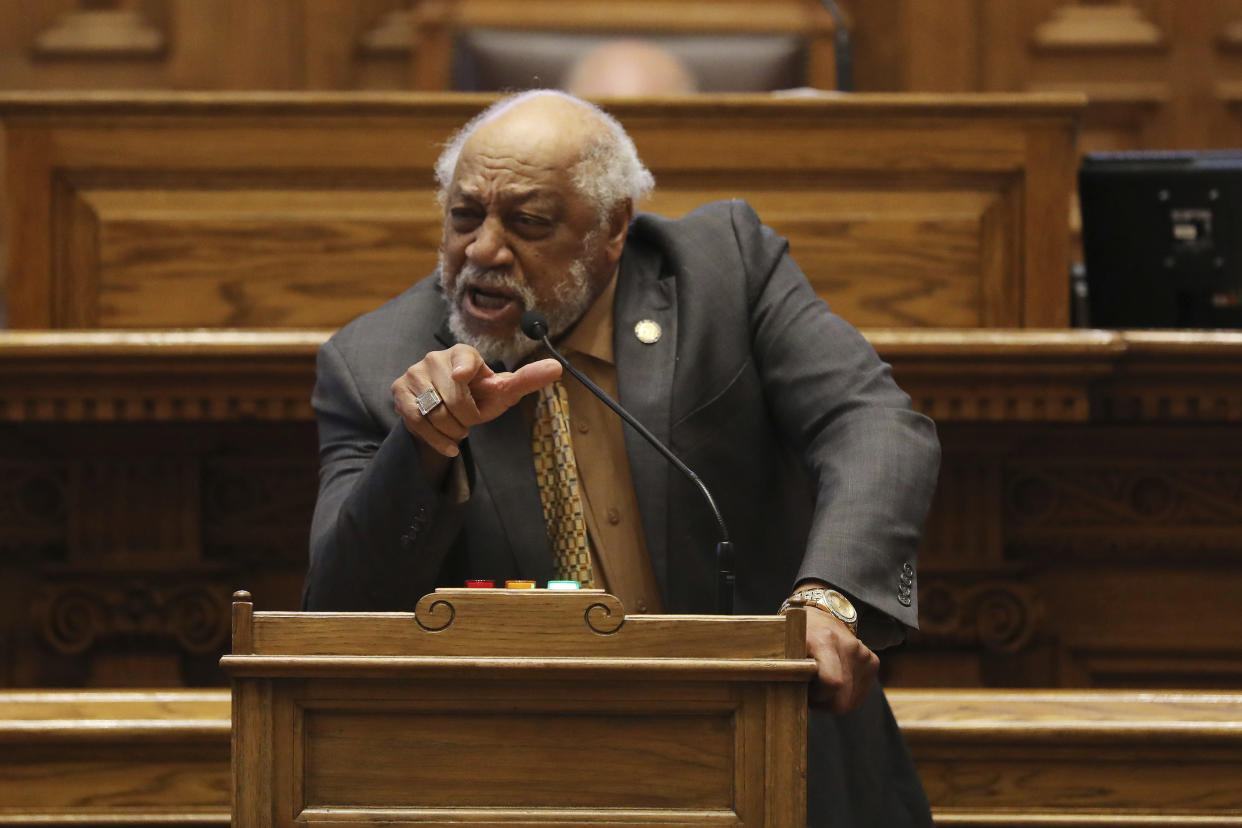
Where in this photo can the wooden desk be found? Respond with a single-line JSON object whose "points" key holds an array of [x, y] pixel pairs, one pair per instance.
{"points": [[283, 210]]}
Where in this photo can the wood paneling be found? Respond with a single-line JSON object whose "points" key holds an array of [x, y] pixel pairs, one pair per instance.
{"points": [[1157, 73], [462, 625], [576, 720], [1088, 477], [126, 538], [228, 211], [335, 44], [434, 26], [1106, 484], [994, 758], [248, 259], [1075, 758], [636, 746], [123, 758], [187, 44]]}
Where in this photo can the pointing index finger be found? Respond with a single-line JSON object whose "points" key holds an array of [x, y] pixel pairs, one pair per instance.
{"points": [[498, 392]]}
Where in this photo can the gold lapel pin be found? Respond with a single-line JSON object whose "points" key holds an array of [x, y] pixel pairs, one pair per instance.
{"points": [[648, 331]]}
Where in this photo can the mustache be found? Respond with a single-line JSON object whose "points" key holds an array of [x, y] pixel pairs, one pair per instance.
{"points": [[472, 276]]}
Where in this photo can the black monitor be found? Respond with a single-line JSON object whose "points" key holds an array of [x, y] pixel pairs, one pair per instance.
{"points": [[1162, 239]]}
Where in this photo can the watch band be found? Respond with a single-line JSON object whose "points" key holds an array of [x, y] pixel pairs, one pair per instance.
{"points": [[825, 600]]}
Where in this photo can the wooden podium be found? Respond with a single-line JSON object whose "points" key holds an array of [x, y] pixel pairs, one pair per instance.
{"points": [[532, 707]]}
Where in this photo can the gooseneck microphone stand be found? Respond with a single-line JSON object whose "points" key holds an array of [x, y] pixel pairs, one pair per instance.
{"points": [[535, 325]]}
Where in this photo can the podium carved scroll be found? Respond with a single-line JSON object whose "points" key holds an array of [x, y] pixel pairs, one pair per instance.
{"points": [[603, 613]]}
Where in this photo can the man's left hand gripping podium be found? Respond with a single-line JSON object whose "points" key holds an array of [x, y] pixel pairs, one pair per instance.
{"points": [[534, 707]]}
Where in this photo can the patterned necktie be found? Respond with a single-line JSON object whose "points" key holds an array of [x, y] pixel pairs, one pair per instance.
{"points": [[557, 472]]}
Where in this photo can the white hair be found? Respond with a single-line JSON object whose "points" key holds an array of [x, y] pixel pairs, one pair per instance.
{"points": [[607, 173]]}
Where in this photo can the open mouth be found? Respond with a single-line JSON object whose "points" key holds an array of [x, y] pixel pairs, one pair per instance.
{"points": [[491, 304]]}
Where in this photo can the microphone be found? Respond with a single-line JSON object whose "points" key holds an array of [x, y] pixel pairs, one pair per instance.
{"points": [[844, 58], [535, 325]]}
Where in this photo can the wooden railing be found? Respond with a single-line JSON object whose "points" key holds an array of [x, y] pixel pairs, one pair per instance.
{"points": [[963, 375], [1121, 759], [129, 758]]}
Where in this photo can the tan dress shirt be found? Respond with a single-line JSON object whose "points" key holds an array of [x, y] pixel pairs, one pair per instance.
{"points": [[618, 547]]}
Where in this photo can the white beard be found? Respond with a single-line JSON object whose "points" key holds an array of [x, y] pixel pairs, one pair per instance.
{"points": [[572, 299]]}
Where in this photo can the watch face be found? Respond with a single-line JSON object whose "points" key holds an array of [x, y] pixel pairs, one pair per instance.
{"points": [[841, 607]]}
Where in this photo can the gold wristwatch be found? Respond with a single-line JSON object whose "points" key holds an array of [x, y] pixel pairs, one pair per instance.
{"points": [[826, 600]]}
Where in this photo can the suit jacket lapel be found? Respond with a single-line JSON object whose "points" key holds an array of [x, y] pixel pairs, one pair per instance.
{"points": [[645, 382], [502, 459], [503, 462]]}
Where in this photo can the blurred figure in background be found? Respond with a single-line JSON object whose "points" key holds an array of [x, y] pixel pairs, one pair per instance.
{"points": [[621, 68]]}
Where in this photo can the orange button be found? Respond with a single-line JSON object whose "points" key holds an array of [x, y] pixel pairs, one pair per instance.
{"points": [[519, 584]]}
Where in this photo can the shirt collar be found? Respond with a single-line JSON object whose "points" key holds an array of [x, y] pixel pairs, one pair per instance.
{"points": [[592, 335]]}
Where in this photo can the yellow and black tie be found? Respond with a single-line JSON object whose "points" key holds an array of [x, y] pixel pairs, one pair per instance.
{"points": [[559, 489]]}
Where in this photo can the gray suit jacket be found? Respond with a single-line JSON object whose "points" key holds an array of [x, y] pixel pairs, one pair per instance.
{"points": [[819, 465]]}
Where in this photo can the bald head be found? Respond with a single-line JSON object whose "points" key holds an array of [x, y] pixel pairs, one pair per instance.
{"points": [[551, 130], [629, 68]]}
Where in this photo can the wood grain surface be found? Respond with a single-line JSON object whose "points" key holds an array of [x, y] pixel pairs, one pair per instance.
{"points": [[459, 622], [1158, 75], [338, 44], [962, 375], [542, 722], [1087, 476], [635, 760], [134, 757], [266, 210], [1011, 759]]}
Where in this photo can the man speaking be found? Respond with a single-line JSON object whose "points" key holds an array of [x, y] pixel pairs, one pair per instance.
{"points": [[450, 450]]}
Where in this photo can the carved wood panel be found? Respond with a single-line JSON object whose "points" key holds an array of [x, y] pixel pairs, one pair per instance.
{"points": [[1040, 566], [932, 258], [230, 212], [1090, 544], [1092, 556], [297, 250], [34, 507], [1158, 73], [187, 44], [332, 44], [123, 543]]}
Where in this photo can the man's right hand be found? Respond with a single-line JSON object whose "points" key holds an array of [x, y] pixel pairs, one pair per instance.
{"points": [[472, 394]]}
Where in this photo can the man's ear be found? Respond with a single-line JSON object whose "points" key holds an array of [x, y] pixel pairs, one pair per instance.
{"points": [[618, 226]]}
